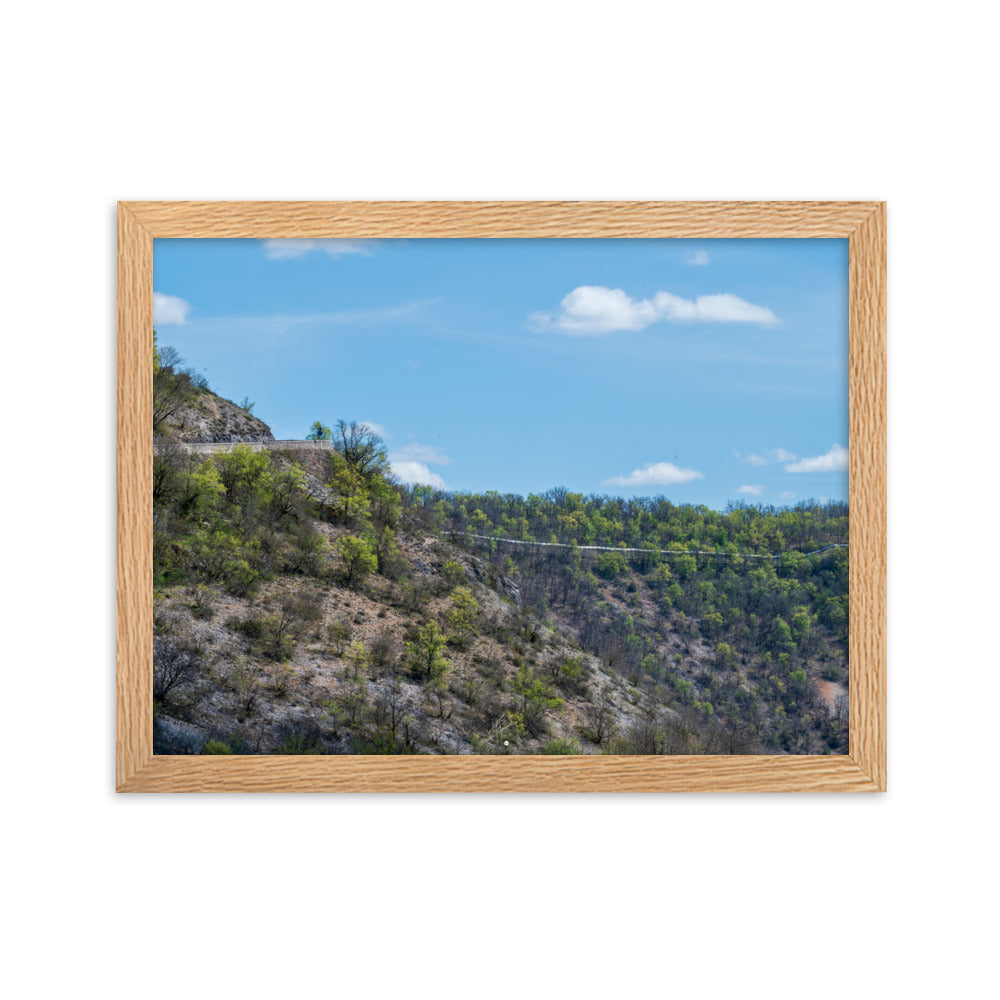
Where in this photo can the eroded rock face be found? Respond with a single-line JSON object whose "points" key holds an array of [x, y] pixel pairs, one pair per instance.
{"points": [[217, 420], [510, 589]]}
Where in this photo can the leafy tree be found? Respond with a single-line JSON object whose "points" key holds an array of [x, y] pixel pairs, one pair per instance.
{"points": [[319, 432], [350, 501], [358, 558], [423, 656], [245, 473], [611, 565], [358, 657], [461, 616], [535, 697]]}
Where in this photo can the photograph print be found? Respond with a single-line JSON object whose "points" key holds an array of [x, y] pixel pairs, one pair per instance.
{"points": [[500, 496]]}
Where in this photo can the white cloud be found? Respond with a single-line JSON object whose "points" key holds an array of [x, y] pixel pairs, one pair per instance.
{"points": [[414, 473], [593, 309], [699, 258], [754, 491], [655, 474], [835, 460], [291, 249], [377, 429], [409, 463], [420, 453], [169, 310]]}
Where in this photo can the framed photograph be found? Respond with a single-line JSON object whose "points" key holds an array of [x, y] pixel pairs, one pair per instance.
{"points": [[501, 496]]}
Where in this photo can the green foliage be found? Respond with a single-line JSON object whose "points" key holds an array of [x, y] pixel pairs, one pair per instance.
{"points": [[350, 501], [536, 697], [453, 574], [423, 656], [801, 625], [782, 635], [566, 746], [724, 656], [357, 657], [318, 432], [357, 558], [462, 615], [216, 747], [611, 565]]}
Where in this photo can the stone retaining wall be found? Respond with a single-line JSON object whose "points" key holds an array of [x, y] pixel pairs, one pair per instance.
{"points": [[207, 447]]}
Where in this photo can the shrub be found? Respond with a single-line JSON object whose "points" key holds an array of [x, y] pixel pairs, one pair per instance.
{"points": [[339, 632], [358, 558], [301, 743], [566, 746], [384, 652], [453, 574], [201, 603], [215, 747]]}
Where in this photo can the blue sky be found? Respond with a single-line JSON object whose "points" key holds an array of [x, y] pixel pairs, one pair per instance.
{"points": [[703, 370]]}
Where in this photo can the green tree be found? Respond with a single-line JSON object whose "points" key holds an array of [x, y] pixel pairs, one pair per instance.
{"points": [[358, 559], [349, 497], [801, 625], [423, 656], [319, 432], [610, 565], [461, 616], [536, 697]]}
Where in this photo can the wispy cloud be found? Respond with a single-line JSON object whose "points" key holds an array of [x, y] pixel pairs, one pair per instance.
{"points": [[373, 428], [754, 491], [699, 258], [655, 474], [767, 457], [274, 329], [593, 309], [835, 460], [292, 249], [415, 452], [169, 310]]}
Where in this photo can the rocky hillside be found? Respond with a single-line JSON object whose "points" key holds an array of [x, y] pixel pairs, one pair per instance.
{"points": [[306, 602], [324, 668], [208, 417]]}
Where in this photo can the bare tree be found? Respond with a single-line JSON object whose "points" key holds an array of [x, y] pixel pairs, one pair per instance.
{"points": [[172, 665], [361, 447]]}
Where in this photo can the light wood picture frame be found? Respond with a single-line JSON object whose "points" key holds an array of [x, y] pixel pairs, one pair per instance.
{"points": [[863, 224]]}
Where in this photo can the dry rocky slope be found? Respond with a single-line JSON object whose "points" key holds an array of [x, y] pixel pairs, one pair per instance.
{"points": [[211, 418], [318, 698], [513, 683]]}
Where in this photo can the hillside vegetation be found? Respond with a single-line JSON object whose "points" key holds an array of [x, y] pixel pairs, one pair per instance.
{"points": [[305, 602]]}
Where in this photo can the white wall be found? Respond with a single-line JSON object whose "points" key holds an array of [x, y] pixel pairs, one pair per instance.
{"points": [[487, 896]]}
